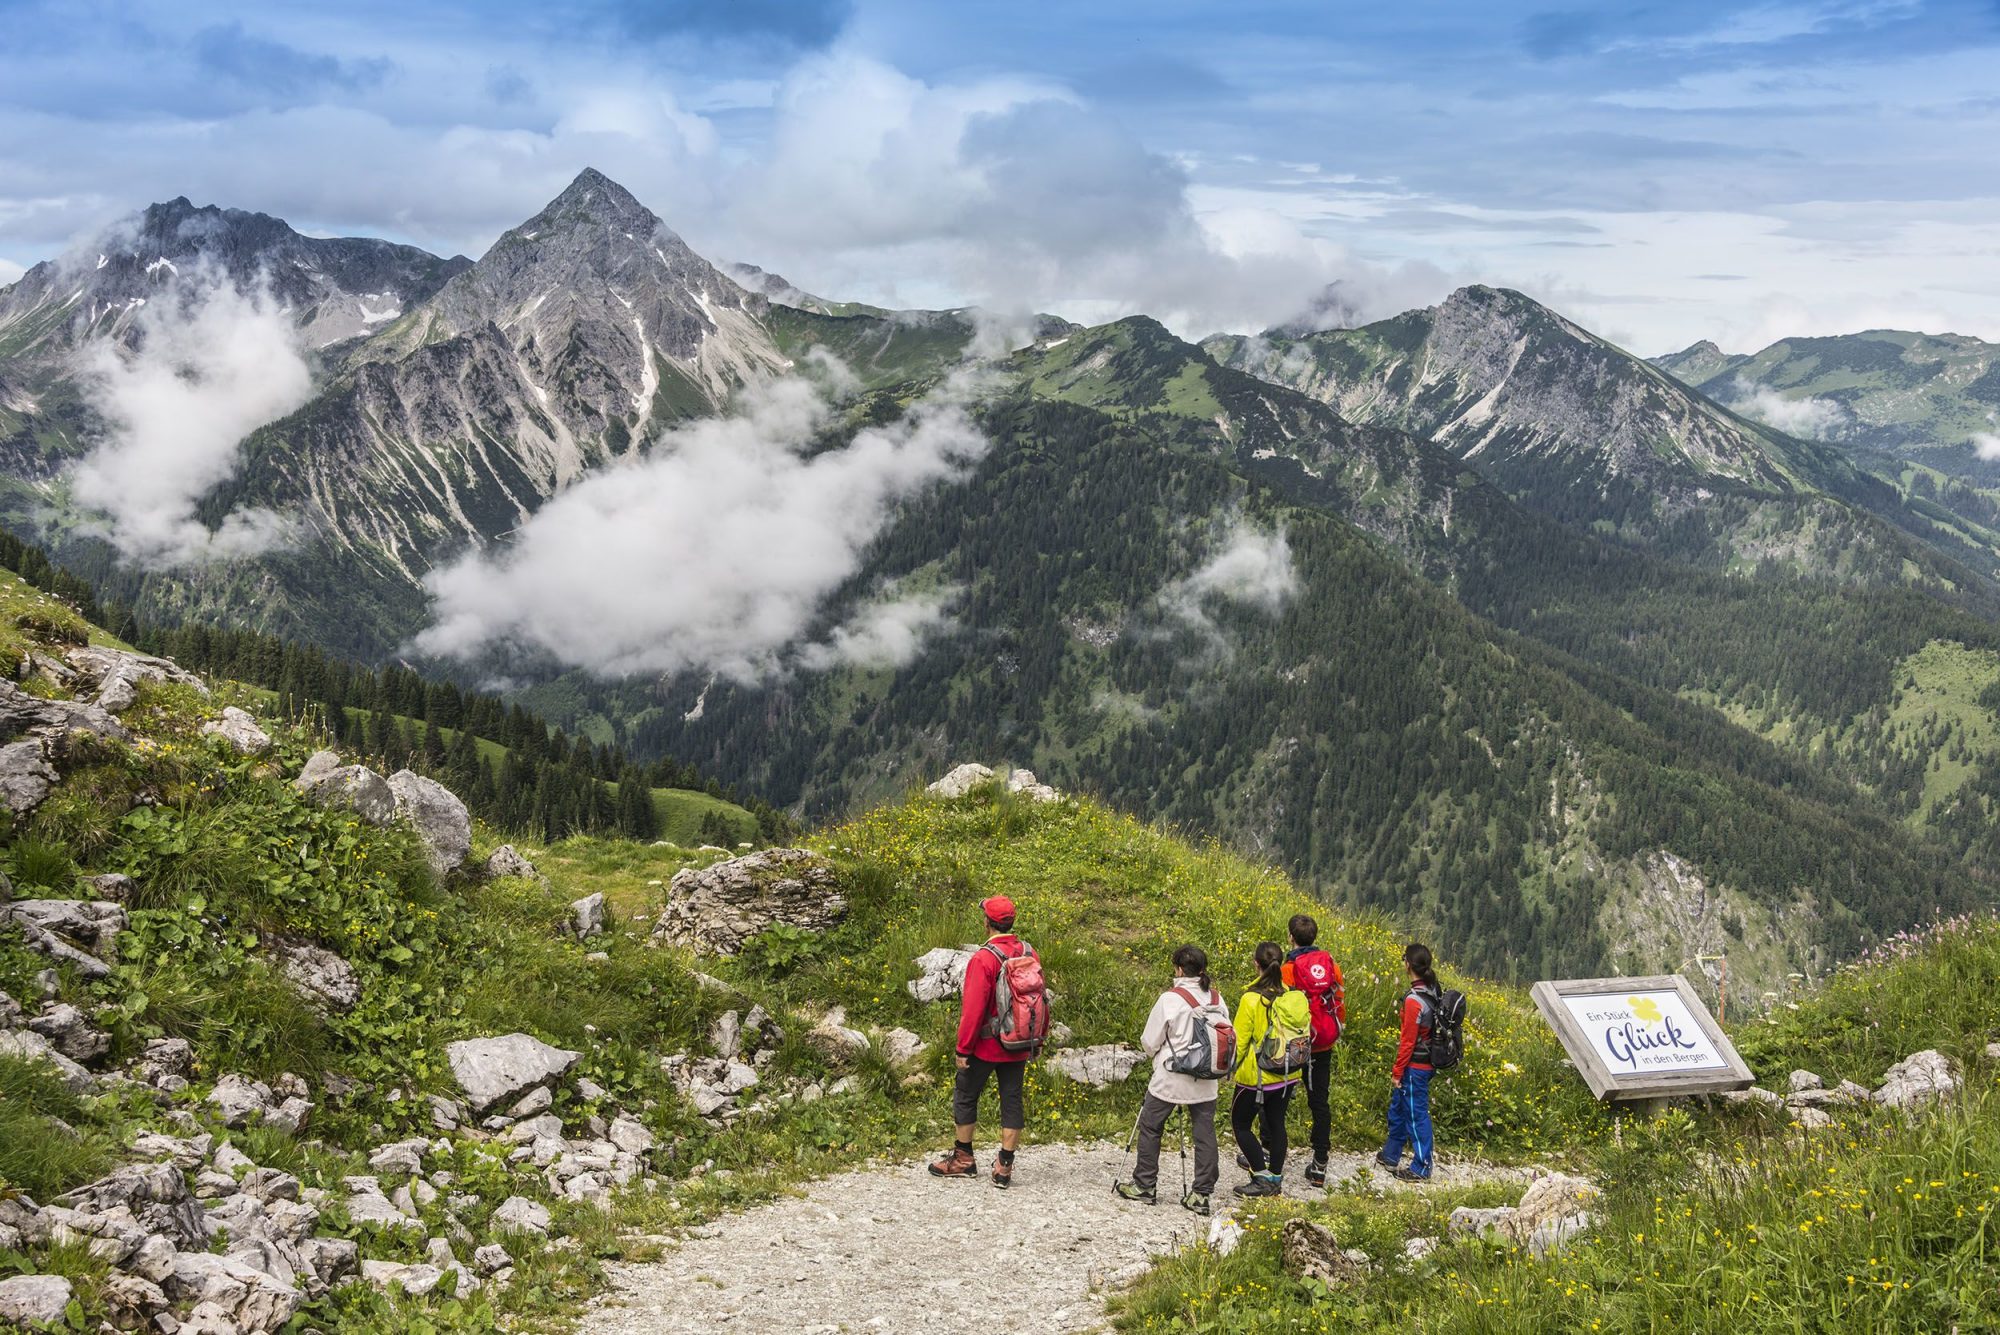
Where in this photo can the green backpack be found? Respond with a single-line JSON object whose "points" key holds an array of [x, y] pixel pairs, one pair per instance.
{"points": [[1287, 1047]]}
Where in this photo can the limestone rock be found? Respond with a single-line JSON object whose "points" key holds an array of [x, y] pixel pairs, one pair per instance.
{"points": [[1919, 1080], [519, 1214], [417, 1280], [1545, 1205], [902, 1047], [240, 730], [31, 1046], [1224, 1234], [439, 818], [1100, 1066], [1468, 1222], [630, 1135], [1311, 1251], [52, 721], [131, 1297], [165, 1064], [115, 674], [492, 1257], [726, 1034], [404, 1156], [34, 1300], [327, 980], [360, 789], [940, 974], [26, 776], [69, 1033], [832, 1037], [961, 780], [1800, 1081], [719, 908], [240, 1101], [1024, 783], [90, 924], [507, 861], [586, 916], [491, 1070]]}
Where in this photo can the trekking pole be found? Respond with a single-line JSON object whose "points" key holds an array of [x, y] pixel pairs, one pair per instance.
{"points": [[1187, 1128]]}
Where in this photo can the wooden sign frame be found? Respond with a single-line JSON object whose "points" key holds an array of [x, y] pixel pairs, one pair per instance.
{"points": [[1606, 1083]]}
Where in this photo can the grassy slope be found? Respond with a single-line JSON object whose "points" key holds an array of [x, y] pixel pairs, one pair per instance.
{"points": [[1725, 1220]]}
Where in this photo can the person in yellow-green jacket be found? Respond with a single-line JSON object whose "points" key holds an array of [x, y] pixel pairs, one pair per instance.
{"points": [[1274, 1046]]}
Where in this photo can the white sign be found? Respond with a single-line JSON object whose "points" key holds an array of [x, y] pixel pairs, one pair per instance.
{"points": [[1641, 1038], [1636, 1033]]}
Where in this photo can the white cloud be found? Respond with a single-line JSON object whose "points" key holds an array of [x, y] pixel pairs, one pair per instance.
{"points": [[1986, 445], [1252, 567], [212, 364], [1810, 419], [715, 551], [889, 633]]}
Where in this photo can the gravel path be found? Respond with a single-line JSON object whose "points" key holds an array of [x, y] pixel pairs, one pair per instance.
{"points": [[889, 1248]]}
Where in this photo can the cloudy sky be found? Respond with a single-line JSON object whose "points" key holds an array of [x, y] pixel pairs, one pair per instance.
{"points": [[1660, 171]]}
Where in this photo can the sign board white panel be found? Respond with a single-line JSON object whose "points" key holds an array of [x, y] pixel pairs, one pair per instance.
{"points": [[1641, 1038]]}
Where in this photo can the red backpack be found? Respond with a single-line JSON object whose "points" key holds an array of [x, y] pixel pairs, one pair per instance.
{"points": [[1020, 1018], [1315, 974]]}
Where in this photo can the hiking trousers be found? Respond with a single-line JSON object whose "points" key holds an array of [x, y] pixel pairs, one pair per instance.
{"points": [[1154, 1114], [1410, 1121], [1319, 1097], [1258, 1117], [970, 1083]]}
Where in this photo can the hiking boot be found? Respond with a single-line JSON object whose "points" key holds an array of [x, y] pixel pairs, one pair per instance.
{"points": [[1003, 1174], [1262, 1184], [1132, 1191], [1405, 1175], [959, 1163], [1390, 1164], [1196, 1202], [1316, 1173], [1243, 1162]]}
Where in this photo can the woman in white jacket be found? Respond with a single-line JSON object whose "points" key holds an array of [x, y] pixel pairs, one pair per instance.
{"points": [[1182, 1032]]}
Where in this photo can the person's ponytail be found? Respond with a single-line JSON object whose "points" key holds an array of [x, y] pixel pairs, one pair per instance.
{"points": [[1192, 962], [1418, 957]]}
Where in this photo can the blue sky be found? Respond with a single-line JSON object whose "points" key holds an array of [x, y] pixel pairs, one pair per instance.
{"points": [[1660, 172]]}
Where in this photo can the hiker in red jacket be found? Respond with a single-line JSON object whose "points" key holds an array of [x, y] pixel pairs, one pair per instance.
{"points": [[999, 1029]]}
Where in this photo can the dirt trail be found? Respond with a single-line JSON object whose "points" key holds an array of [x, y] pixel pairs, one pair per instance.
{"points": [[889, 1248]]}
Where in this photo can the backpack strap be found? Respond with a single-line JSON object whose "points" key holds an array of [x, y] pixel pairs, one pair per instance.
{"points": [[1188, 997]]}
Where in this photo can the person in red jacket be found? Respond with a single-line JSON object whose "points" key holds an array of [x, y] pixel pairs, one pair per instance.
{"points": [[1410, 1079], [1312, 971], [981, 1057]]}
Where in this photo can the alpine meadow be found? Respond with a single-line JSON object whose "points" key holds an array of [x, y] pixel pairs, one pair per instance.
{"points": [[1314, 572]]}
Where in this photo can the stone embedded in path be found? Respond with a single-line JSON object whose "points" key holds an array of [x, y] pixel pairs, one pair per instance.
{"points": [[718, 908], [494, 1070], [438, 817]]}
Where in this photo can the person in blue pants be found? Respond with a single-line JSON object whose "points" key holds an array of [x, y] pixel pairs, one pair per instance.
{"points": [[1410, 1080]]}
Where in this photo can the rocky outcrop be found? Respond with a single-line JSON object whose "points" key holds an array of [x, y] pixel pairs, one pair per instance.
{"points": [[1918, 1081], [82, 933], [115, 675], [507, 861], [360, 789], [242, 1102], [1554, 1209], [940, 974], [69, 1033], [718, 908], [31, 1046], [497, 1070], [1098, 1067], [26, 776], [34, 734], [961, 780], [586, 917], [438, 817], [34, 1302], [327, 981], [239, 730]]}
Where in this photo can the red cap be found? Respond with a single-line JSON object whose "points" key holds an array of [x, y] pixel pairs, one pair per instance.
{"points": [[997, 909]]}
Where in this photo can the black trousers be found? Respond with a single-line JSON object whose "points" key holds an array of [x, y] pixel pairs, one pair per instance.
{"points": [[970, 1083], [1258, 1118], [1319, 1097]]}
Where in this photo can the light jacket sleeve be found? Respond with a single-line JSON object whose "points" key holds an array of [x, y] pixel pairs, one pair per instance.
{"points": [[1154, 1036], [980, 975]]}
